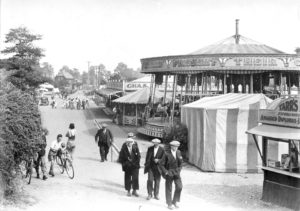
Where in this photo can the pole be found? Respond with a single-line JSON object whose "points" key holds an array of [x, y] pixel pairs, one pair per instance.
{"points": [[136, 114], [289, 88], [174, 98], [251, 83], [224, 84], [165, 93]]}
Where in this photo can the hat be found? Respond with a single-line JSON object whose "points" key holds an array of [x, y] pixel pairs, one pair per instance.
{"points": [[156, 140], [130, 135], [129, 140], [104, 125], [175, 143]]}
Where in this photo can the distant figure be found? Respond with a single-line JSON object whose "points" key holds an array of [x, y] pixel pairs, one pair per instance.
{"points": [[153, 156], [104, 138], [171, 165], [114, 114], [130, 159]]}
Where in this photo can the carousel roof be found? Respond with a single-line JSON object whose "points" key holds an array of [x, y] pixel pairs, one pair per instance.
{"points": [[231, 46], [141, 97]]}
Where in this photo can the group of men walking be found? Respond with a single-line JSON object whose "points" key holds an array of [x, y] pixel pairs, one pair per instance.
{"points": [[158, 163]]}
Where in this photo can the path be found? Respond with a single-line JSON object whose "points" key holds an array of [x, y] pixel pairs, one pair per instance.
{"points": [[100, 185]]}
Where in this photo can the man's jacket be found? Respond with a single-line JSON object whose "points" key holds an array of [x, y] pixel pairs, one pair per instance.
{"points": [[149, 162], [104, 138], [171, 166], [129, 160]]}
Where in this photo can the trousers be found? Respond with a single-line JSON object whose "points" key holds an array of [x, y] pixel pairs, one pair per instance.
{"points": [[131, 179], [177, 192], [153, 177], [103, 149], [41, 161]]}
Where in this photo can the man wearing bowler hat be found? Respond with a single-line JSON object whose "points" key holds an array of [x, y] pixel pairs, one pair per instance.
{"points": [[104, 138], [130, 159], [153, 156], [170, 165]]}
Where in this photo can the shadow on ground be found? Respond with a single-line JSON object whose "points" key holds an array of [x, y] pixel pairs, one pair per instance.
{"points": [[225, 195]]}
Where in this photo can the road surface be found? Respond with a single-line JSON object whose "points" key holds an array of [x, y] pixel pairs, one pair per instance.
{"points": [[100, 185]]}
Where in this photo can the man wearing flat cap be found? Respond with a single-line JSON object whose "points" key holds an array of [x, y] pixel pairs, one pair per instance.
{"points": [[130, 159], [153, 156], [170, 165], [104, 138]]}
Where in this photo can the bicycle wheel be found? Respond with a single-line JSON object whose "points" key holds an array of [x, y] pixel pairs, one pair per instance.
{"points": [[60, 164], [69, 168]]}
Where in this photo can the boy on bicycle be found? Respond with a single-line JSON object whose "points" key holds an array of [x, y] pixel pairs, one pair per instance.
{"points": [[55, 150]]}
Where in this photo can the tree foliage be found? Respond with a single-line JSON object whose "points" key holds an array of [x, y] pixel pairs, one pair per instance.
{"points": [[122, 71], [24, 59]]}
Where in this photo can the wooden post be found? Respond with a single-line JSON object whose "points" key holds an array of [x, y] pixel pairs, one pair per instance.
{"points": [[165, 93], [186, 88], [244, 84], [261, 83], [280, 83], [224, 84], [289, 85], [251, 83], [123, 119], [218, 83], [151, 87], [264, 150], [209, 84], [180, 102], [202, 84], [174, 98], [136, 114]]}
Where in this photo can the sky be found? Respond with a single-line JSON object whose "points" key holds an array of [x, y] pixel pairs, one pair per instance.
{"points": [[112, 31]]}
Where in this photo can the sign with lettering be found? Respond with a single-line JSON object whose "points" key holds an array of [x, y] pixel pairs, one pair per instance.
{"points": [[286, 113]]}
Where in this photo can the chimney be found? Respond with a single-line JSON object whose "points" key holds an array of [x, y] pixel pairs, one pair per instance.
{"points": [[237, 36]]}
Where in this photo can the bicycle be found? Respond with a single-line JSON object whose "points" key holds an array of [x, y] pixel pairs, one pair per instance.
{"points": [[65, 163], [26, 169]]}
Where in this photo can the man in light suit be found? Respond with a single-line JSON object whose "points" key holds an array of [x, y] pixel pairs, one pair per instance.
{"points": [[153, 156], [171, 165]]}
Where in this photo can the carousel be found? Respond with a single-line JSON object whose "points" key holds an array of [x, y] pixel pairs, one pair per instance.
{"points": [[234, 65]]}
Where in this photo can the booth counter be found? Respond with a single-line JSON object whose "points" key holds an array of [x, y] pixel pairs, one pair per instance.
{"points": [[280, 124]]}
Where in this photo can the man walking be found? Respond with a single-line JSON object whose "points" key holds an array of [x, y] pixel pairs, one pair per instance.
{"points": [[41, 160], [171, 165], [130, 159], [104, 138], [153, 156]]}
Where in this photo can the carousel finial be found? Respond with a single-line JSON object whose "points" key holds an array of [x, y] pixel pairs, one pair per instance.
{"points": [[237, 36]]}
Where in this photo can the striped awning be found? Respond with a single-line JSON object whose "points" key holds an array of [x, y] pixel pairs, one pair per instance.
{"points": [[106, 92]]}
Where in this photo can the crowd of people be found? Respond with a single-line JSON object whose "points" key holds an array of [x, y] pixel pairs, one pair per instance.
{"points": [[76, 103], [158, 163]]}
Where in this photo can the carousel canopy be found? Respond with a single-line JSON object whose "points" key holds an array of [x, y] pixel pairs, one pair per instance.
{"points": [[244, 46], [141, 97]]}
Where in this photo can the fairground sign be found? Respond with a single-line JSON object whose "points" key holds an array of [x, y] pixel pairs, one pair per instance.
{"points": [[286, 113]]}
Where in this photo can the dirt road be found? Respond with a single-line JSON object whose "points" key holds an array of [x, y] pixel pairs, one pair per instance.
{"points": [[100, 185]]}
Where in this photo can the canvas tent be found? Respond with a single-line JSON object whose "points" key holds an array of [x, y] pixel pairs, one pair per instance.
{"points": [[216, 127]]}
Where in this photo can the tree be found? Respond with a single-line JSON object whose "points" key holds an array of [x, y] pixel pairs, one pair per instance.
{"points": [[47, 70], [84, 78], [126, 73], [24, 60]]}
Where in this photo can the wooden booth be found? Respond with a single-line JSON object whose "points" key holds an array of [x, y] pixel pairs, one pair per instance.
{"points": [[280, 130]]}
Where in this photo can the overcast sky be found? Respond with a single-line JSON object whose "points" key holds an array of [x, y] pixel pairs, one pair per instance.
{"points": [[112, 31]]}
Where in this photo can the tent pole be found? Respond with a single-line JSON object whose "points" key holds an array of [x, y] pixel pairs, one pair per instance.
{"points": [[280, 83], [151, 87], [261, 83], [123, 119], [289, 88], [251, 83], [136, 114], [224, 84], [165, 93], [174, 98]]}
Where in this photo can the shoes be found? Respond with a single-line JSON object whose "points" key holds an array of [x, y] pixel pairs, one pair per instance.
{"points": [[37, 176], [176, 205], [170, 207], [135, 193], [51, 173], [102, 161], [45, 177], [149, 197], [156, 197], [128, 193]]}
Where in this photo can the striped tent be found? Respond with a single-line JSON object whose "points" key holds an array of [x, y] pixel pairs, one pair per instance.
{"points": [[217, 138]]}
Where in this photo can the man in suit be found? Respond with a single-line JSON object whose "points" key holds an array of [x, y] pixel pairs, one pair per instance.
{"points": [[153, 156], [171, 165], [130, 159], [104, 138]]}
